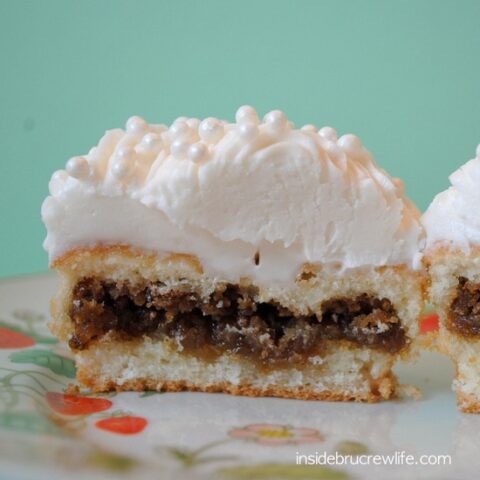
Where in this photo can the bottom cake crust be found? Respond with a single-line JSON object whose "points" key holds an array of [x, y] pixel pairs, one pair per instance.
{"points": [[385, 391], [342, 375]]}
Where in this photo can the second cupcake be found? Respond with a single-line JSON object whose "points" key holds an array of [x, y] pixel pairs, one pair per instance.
{"points": [[452, 257]]}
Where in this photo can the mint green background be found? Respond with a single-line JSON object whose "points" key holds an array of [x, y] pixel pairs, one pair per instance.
{"points": [[403, 75]]}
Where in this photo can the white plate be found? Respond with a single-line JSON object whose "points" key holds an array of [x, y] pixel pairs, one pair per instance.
{"points": [[195, 435]]}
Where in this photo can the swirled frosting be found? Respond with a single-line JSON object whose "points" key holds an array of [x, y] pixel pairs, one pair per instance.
{"points": [[226, 192], [453, 218]]}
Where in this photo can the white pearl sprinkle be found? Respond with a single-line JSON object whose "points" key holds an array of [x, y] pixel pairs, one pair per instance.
{"points": [[136, 124], [310, 128], [179, 149], [247, 114], [350, 143], [150, 141], [210, 130], [478, 151], [197, 152], [125, 152], [121, 168], [180, 129], [276, 119], [248, 131], [57, 181], [333, 149], [328, 133], [78, 168]]}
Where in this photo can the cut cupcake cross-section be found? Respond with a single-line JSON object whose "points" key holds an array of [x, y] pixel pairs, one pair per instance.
{"points": [[452, 256], [248, 257]]}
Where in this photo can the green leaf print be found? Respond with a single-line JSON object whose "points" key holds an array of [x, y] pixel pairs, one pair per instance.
{"points": [[283, 472], [111, 461], [45, 358], [27, 422]]}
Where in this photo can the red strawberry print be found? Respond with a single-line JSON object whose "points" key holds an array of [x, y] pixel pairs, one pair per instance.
{"points": [[123, 425], [429, 323], [12, 339], [76, 405]]}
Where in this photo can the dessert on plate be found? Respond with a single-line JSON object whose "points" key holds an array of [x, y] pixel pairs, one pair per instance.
{"points": [[248, 257], [452, 257]]}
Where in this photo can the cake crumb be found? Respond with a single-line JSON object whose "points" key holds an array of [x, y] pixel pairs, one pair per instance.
{"points": [[72, 389], [409, 391]]}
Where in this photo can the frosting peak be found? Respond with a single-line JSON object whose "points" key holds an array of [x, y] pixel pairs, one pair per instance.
{"points": [[453, 217], [205, 186]]}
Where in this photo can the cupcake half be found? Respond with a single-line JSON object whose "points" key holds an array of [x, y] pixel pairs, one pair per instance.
{"points": [[248, 257], [452, 256]]}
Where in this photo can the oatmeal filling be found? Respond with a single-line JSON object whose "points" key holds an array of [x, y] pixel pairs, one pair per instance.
{"points": [[464, 317], [229, 320]]}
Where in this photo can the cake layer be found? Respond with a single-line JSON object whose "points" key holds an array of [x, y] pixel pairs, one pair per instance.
{"points": [[170, 321], [314, 289], [343, 373], [230, 319], [455, 293]]}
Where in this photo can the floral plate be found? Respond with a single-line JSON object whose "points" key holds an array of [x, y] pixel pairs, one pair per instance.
{"points": [[47, 433]]}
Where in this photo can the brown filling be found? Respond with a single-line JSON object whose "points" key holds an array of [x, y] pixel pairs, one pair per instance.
{"points": [[229, 320], [464, 315]]}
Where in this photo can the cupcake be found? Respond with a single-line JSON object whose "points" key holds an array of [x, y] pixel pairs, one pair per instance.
{"points": [[452, 256], [250, 258]]}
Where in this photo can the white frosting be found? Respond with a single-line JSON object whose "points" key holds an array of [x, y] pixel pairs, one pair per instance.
{"points": [[453, 218], [224, 191]]}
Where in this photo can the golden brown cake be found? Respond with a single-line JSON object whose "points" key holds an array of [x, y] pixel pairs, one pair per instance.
{"points": [[251, 258]]}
